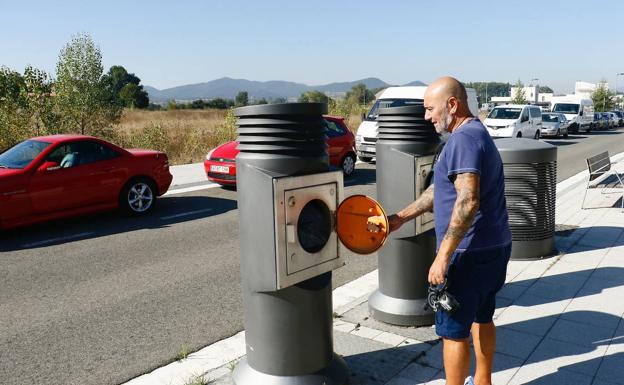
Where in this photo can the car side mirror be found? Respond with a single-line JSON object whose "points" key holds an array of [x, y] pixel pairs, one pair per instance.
{"points": [[581, 113], [49, 166], [524, 119]]}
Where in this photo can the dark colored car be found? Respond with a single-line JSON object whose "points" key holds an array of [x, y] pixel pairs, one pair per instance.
{"points": [[220, 163], [56, 176]]}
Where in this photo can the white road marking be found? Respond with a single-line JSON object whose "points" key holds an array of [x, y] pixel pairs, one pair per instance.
{"points": [[190, 189], [59, 239], [185, 214]]}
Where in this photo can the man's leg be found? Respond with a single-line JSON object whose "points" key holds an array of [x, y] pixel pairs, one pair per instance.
{"points": [[484, 341], [456, 360]]}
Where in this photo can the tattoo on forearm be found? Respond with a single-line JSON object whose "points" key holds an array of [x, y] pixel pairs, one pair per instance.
{"points": [[466, 206], [424, 202], [420, 206]]}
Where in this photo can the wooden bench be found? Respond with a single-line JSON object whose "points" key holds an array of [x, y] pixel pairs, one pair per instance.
{"points": [[602, 175]]}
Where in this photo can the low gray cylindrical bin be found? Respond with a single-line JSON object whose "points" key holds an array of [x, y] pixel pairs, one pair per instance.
{"points": [[530, 168]]}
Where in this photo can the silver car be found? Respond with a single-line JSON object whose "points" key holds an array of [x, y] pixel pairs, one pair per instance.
{"points": [[554, 124]]}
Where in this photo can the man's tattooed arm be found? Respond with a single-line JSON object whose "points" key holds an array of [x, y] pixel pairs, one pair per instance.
{"points": [[423, 204], [464, 211]]}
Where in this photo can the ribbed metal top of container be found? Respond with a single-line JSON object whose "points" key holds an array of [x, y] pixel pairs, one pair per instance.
{"points": [[519, 150], [405, 123], [296, 129], [280, 109]]}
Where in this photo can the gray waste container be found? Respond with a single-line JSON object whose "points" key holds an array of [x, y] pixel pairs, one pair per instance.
{"points": [[530, 168]]}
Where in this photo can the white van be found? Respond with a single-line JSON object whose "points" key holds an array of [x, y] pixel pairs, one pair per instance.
{"points": [[366, 136], [580, 112], [514, 121]]}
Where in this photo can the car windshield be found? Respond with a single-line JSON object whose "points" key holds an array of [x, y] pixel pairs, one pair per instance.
{"points": [[505, 113], [20, 155], [549, 118], [384, 103], [566, 108]]}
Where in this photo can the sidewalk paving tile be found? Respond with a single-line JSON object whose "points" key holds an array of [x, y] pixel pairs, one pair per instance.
{"points": [[514, 343], [504, 368], [580, 334], [532, 314], [612, 365], [584, 256], [365, 332], [545, 289], [601, 236], [342, 326], [415, 373], [372, 362], [603, 304], [389, 338], [360, 315], [511, 291], [528, 375]]}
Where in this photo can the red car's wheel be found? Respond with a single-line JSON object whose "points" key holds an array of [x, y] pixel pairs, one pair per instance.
{"points": [[348, 165], [138, 196]]}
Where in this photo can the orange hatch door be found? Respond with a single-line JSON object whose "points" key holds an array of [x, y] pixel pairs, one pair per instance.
{"points": [[352, 224]]}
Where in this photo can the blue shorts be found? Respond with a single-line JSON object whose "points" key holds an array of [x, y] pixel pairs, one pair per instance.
{"points": [[474, 278]]}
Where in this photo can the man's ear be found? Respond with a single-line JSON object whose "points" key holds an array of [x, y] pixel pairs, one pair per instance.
{"points": [[452, 104]]}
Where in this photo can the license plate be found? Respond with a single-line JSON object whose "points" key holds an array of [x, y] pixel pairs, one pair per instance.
{"points": [[220, 169]]}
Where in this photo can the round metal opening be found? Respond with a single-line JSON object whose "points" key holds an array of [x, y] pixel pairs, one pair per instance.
{"points": [[314, 226]]}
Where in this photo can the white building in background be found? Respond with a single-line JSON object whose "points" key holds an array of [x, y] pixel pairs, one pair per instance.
{"points": [[530, 93], [585, 89]]}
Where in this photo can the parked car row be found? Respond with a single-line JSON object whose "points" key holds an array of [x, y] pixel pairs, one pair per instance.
{"points": [[57, 176]]}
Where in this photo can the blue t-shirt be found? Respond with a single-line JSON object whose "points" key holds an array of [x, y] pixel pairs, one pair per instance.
{"points": [[470, 149]]}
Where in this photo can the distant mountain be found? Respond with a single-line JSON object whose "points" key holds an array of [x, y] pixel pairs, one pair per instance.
{"points": [[228, 88], [415, 83]]}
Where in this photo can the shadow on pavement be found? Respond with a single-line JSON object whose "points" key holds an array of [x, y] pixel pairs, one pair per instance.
{"points": [[169, 210], [560, 287], [520, 343], [560, 143], [361, 176]]}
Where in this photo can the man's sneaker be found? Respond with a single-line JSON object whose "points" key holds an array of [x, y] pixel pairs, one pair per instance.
{"points": [[469, 381]]}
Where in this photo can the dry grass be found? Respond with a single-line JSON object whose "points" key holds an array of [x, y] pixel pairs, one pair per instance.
{"points": [[185, 135]]}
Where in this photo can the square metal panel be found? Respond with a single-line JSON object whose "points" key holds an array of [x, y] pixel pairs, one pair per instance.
{"points": [[294, 261], [424, 164]]}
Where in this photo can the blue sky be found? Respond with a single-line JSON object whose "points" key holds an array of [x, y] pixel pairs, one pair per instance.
{"points": [[170, 43]]}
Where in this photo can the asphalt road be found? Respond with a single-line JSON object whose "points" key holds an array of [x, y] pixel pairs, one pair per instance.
{"points": [[104, 298]]}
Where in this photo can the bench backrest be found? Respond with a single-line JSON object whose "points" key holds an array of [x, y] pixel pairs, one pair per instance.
{"points": [[598, 165]]}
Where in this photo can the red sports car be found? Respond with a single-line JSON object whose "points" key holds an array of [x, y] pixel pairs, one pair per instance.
{"points": [[220, 163], [58, 176]]}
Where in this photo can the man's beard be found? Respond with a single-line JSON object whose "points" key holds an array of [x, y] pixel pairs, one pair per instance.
{"points": [[443, 124]]}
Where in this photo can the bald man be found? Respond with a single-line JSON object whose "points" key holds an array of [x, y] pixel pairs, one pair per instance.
{"points": [[472, 230]]}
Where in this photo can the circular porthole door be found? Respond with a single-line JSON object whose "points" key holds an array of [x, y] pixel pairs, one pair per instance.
{"points": [[352, 224]]}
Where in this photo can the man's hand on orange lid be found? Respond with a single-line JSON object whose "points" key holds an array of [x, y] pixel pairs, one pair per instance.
{"points": [[376, 224]]}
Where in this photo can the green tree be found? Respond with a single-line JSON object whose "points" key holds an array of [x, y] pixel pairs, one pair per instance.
{"points": [[81, 96], [360, 94], [313, 97], [133, 96], [603, 98], [219, 103], [117, 79], [37, 93], [242, 99], [13, 108], [278, 100], [519, 97], [262, 101]]}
